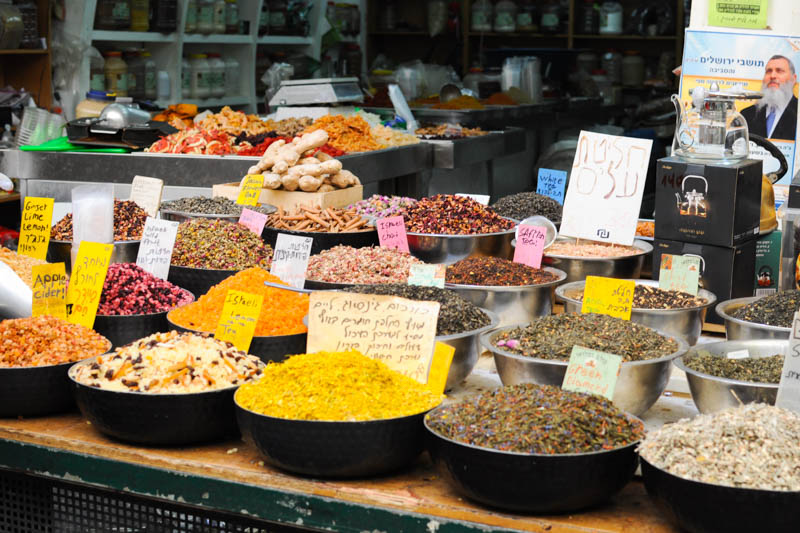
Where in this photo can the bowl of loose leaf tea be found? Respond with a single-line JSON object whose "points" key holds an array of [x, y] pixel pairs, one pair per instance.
{"points": [[674, 312], [551, 451], [760, 317], [581, 258], [539, 353], [731, 373]]}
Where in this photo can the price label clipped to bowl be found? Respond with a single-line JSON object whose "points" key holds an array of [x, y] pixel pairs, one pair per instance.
{"points": [[530, 245], [592, 371], [789, 385], [155, 250], [250, 189], [552, 183], [427, 275], [146, 192], [605, 188], [86, 282], [397, 331], [290, 259], [253, 220], [392, 233], [237, 323], [34, 227], [608, 296], [49, 290], [679, 273]]}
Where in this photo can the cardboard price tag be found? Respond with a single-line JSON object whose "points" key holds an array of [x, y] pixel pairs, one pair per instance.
{"points": [[605, 188], [253, 220], [250, 189], [392, 233], [155, 250], [290, 259], [592, 371], [50, 290], [146, 192], [34, 227], [530, 245], [427, 275], [679, 273], [440, 367], [552, 183], [608, 296], [86, 284], [480, 198], [237, 323], [394, 330]]}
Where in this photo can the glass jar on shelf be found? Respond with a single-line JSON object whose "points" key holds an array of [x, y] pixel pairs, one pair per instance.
{"points": [[355, 20], [352, 57], [200, 77], [588, 22], [551, 17], [112, 15], [528, 17], [30, 31], [611, 63], [611, 18], [164, 15], [218, 20], [277, 17], [135, 73], [217, 71], [97, 76], [387, 19], [231, 75], [140, 15], [116, 72], [186, 78], [505, 16], [231, 17], [191, 17], [205, 17], [150, 75], [481, 16], [632, 69], [263, 19]]}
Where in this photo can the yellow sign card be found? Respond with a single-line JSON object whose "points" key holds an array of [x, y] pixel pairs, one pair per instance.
{"points": [[250, 189], [394, 330], [440, 367], [34, 228], [237, 324], [50, 290], [86, 284], [608, 296]]}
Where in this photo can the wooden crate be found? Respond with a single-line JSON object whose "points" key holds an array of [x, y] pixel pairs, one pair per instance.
{"points": [[291, 199]]}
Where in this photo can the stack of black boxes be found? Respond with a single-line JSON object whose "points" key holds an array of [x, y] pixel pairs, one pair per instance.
{"points": [[711, 211]]}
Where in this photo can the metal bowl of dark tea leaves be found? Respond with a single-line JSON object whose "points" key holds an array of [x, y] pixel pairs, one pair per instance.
{"points": [[706, 364], [738, 329], [684, 322]]}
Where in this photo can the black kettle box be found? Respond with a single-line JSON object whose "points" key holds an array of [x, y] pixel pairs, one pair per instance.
{"points": [[708, 204], [727, 272]]}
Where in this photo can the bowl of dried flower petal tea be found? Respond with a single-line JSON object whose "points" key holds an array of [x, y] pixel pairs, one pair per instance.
{"points": [[760, 317], [731, 373], [735, 470], [675, 312], [539, 352], [551, 451]]}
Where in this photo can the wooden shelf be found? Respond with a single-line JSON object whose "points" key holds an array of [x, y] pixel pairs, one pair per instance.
{"points": [[22, 51]]}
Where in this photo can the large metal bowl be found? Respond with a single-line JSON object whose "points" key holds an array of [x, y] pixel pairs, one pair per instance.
{"points": [[512, 304], [436, 248], [712, 393], [182, 216], [467, 350], [577, 268], [61, 252], [198, 281], [323, 240], [685, 323], [738, 329], [639, 385]]}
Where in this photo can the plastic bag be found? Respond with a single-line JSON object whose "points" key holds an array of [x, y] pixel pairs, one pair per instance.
{"points": [[92, 214], [273, 77], [437, 17], [437, 76], [401, 107], [411, 78]]}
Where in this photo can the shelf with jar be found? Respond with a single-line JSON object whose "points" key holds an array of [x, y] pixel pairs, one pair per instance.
{"points": [[25, 48]]}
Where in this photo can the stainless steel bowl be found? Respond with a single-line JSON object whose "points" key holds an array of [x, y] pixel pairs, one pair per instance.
{"points": [[577, 268], [513, 304], [712, 393], [685, 323], [639, 385], [738, 329], [439, 248], [182, 216], [61, 251], [467, 350]]}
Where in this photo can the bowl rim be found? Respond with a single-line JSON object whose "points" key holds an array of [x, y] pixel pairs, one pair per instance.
{"points": [[679, 362], [207, 269], [722, 310], [190, 330], [513, 288], [494, 319], [57, 241], [683, 347], [710, 297], [142, 315], [644, 248], [470, 236], [68, 363], [85, 362], [269, 207], [531, 455]]}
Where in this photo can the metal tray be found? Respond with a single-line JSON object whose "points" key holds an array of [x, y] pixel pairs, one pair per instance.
{"points": [[459, 153]]}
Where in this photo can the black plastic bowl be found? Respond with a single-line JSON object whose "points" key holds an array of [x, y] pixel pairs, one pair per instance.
{"points": [[323, 241], [275, 348], [532, 483], [157, 419], [124, 329], [197, 280], [334, 449], [705, 508]]}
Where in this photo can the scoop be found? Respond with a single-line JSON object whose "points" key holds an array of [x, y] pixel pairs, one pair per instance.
{"points": [[449, 92]]}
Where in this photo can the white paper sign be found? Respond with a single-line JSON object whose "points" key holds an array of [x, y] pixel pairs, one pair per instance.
{"points": [[789, 386], [480, 198], [605, 188], [739, 354], [155, 250], [146, 192], [290, 259]]}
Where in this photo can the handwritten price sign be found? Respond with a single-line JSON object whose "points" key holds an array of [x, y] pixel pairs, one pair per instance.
{"points": [[679, 273], [253, 220], [250, 189], [392, 233], [592, 371], [49, 290], [605, 188], [789, 386], [608, 296], [155, 250], [86, 284], [237, 323], [530, 245], [34, 228], [552, 183]]}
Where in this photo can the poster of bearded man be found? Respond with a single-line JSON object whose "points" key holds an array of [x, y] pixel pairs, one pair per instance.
{"points": [[775, 115]]}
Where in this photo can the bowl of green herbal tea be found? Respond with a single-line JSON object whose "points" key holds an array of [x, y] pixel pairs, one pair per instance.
{"points": [[731, 373], [760, 317], [539, 353], [551, 451]]}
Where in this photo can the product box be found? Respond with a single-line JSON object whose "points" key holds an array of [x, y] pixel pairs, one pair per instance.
{"points": [[718, 205], [727, 272], [291, 199], [768, 263]]}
